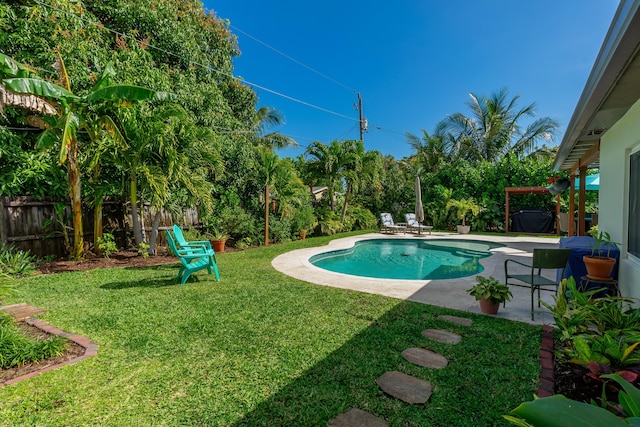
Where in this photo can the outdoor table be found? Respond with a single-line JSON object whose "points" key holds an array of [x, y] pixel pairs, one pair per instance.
{"points": [[581, 246]]}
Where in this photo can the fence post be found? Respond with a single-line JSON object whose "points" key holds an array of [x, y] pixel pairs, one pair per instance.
{"points": [[3, 223]]}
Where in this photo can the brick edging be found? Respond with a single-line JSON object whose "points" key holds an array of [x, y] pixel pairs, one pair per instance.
{"points": [[90, 349], [547, 383]]}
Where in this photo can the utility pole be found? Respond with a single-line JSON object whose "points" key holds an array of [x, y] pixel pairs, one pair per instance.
{"points": [[363, 121]]}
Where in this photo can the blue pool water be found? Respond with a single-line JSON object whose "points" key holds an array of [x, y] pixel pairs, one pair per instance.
{"points": [[411, 259]]}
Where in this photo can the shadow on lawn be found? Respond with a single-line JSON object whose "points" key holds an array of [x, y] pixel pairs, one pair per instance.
{"points": [[168, 279], [346, 378]]}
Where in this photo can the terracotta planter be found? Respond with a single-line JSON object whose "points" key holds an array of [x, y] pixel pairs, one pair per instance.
{"points": [[487, 308], [598, 267], [464, 229], [218, 245]]}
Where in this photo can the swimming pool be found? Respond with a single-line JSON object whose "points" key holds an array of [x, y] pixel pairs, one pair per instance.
{"points": [[411, 259]]}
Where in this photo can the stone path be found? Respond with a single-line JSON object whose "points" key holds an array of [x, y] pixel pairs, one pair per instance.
{"points": [[21, 312], [444, 337], [405, 387], [425, 358]]}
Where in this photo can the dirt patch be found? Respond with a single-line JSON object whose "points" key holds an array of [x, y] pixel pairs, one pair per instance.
{"points": [[124, 258]]}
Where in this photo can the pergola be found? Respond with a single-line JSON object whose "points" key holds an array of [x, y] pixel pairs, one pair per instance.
{"points": [[528, 190]]}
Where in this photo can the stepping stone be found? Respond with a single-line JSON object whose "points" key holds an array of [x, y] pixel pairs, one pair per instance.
{"points": [[463, 321], [21, 311], [357, 418], [425, 358], [405, 387], [439, 335]]}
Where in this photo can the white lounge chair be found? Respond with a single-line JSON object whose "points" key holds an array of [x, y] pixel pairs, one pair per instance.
{"points": [[414, 225], [388, 225]]}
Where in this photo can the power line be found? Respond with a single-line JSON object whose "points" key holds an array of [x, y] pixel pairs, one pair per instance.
{"points": [[293, 59], [207, 67]]}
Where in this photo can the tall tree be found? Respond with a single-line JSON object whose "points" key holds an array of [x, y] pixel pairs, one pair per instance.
{"points": [[352, 169], [326, 163], [75, 113], [494, 128]]}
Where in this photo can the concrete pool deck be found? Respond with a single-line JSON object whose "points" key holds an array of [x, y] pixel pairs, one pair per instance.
{"points": [[449, 293]]}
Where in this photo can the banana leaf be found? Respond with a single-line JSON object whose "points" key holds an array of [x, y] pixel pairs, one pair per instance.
{"points": [[558, 411], [38, 87], [125, 93]]}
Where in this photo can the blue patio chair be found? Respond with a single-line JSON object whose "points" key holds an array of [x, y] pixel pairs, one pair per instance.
{"points": [[193, 258]]}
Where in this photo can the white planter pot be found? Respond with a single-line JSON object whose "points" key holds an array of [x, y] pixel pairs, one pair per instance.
{"points": [[464, 229]]}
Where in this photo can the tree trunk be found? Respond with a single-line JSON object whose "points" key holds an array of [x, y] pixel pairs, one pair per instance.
{"points": [[97, 225], [135, 218], [346, 202], [73, 175], [154, 232], [266, 215]]}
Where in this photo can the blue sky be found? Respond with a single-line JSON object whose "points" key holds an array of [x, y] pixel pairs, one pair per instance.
{"points": [[414, 62]]}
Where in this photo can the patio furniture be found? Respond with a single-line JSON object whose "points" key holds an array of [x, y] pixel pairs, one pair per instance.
{"points": [[389, 226], [414, 225], [192, 259], [543, 259], [182, 242]]}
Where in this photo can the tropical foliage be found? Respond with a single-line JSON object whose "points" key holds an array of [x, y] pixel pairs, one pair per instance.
{"points": [[210, 145]]}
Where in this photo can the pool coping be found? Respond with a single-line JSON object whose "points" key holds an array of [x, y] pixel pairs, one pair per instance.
{"points": [[449, 293]]}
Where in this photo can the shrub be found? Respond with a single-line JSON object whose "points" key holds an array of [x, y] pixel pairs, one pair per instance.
{"points": [[17, 349], [15, 262], [107, 245]]}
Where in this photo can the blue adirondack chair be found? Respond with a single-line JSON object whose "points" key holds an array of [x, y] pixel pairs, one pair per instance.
{"points": [[182, 242], [192, 259]]}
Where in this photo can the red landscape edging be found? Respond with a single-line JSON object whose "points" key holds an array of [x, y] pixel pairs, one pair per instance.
{"points": [[90, 349], [547, 384]]}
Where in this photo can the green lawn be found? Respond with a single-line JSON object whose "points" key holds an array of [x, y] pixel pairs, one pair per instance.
{"points": [[258, 348]]}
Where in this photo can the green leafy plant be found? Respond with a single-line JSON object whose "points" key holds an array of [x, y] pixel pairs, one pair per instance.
{"points": [[143, 249], [463, 207], [490, 289], [603, 239], [15, 262], [17, 349], [107, 245], [559, 411]]}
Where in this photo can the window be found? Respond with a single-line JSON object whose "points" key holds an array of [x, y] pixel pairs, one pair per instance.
{"points": [[634, 204]]}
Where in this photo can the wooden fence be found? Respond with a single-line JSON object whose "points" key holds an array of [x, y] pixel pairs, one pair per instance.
{"points": [[23, 219]]}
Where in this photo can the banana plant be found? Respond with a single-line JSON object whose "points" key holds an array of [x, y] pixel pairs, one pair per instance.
{"points": [[558, 411], [73, 114]]}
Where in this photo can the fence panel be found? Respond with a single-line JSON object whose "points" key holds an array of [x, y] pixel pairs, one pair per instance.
{"points": [[22, 221]]}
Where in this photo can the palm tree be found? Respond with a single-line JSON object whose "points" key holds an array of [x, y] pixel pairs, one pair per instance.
{"points": [[265, 118], [75, 114], [493, 128], [351, 168], [430, 150], [327, 163]]}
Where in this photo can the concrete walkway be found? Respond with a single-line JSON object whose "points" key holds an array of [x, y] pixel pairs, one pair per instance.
{"points": [[450, 293]]}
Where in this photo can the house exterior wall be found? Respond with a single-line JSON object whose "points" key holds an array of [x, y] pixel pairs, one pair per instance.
{"points": [[615, 147]]}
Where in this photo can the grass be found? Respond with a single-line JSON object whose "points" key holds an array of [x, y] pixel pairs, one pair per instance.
{"points": [[258, 349]]}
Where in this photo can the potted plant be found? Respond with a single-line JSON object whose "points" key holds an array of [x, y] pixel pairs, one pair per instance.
{"points": [[599, 267], [490, 293], [218, 239], [462, 208], [303, 220]]}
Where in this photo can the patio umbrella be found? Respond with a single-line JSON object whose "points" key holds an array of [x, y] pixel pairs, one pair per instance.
{"points": [[592, 182], [419, 209]]}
